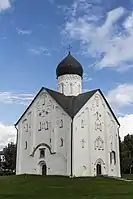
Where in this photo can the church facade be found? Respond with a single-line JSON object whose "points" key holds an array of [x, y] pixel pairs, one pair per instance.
{"points": [[67, 132]]}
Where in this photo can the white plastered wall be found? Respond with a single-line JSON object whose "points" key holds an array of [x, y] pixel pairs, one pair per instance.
{"points": [[70, 85], [87, 132], [58, 163]]}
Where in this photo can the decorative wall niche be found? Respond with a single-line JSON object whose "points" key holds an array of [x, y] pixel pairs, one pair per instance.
{"points": [[98, 123], [92, 107], [43, 97], [99, 144], [25, 125], [43, 125], [96, 99], [46, 125], [29, 119], [38, 108], [82, 123], [61, 124], [43, 113], [111, 142]]}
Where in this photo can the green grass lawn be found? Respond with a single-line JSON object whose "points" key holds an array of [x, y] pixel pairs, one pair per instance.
{"points": [[40, 187], [128, 176]]}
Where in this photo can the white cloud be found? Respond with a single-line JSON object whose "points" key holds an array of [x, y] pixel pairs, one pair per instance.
{"points": [[106, 41], [23, 32], [128, 23], [15, 98], [86, 77], [4, 4], [121, 96], [7, 135], [126, 125], [40, 50]]}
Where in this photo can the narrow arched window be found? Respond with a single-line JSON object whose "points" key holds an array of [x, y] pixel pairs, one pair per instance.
{"points": [[62, 88], [26, 144], [82, 123], [61, 145], [71, 88], [42, 153], [113, 157], [46, 125], [40, 126], [79, 88]]}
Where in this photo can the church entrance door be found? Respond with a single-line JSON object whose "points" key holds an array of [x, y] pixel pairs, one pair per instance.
{"points": [[99, 169], [44, 169]]}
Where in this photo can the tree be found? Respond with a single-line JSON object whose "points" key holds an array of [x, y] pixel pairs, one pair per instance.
{"points": [[10, 156], [0, 163], [126, 154], [120, 149]]}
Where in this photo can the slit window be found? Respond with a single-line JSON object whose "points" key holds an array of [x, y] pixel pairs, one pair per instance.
{"points": [[42, 153], [26, 144]]}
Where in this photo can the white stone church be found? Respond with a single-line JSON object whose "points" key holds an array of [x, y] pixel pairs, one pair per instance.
{"points": [[67, 132]]}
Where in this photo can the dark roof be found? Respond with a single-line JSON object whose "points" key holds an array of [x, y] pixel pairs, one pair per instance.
{"points": [[70, 104], [69, 65]]}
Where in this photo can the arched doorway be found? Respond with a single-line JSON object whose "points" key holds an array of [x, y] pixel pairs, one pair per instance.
{"points": [[44, 169], [98, 169]]}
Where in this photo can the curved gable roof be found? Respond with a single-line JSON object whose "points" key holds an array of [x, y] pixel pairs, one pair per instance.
{"points": [[70, 104]]}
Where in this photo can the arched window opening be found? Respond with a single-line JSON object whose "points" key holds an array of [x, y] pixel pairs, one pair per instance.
{"points": [[113, 157], [26, 144], [61, 145], [46, 125], [42, 153], [40, 126], [79, 88], [110, 158], [82, 123], [62, 88], [71, 88]]}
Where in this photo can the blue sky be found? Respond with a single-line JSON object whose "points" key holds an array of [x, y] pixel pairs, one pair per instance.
{"points": [[34, 38]]}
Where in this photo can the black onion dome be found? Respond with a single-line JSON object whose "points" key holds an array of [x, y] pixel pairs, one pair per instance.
{"points": [[69, 65]]}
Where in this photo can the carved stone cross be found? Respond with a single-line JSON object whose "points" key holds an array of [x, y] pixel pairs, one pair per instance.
{"points": [[83, 143]]}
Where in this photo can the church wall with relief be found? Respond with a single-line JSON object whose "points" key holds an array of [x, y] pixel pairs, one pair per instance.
{"points": [[98, 137], [113, 146], [70, 84], [49, 124], [24, 147], [80, 143]]}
